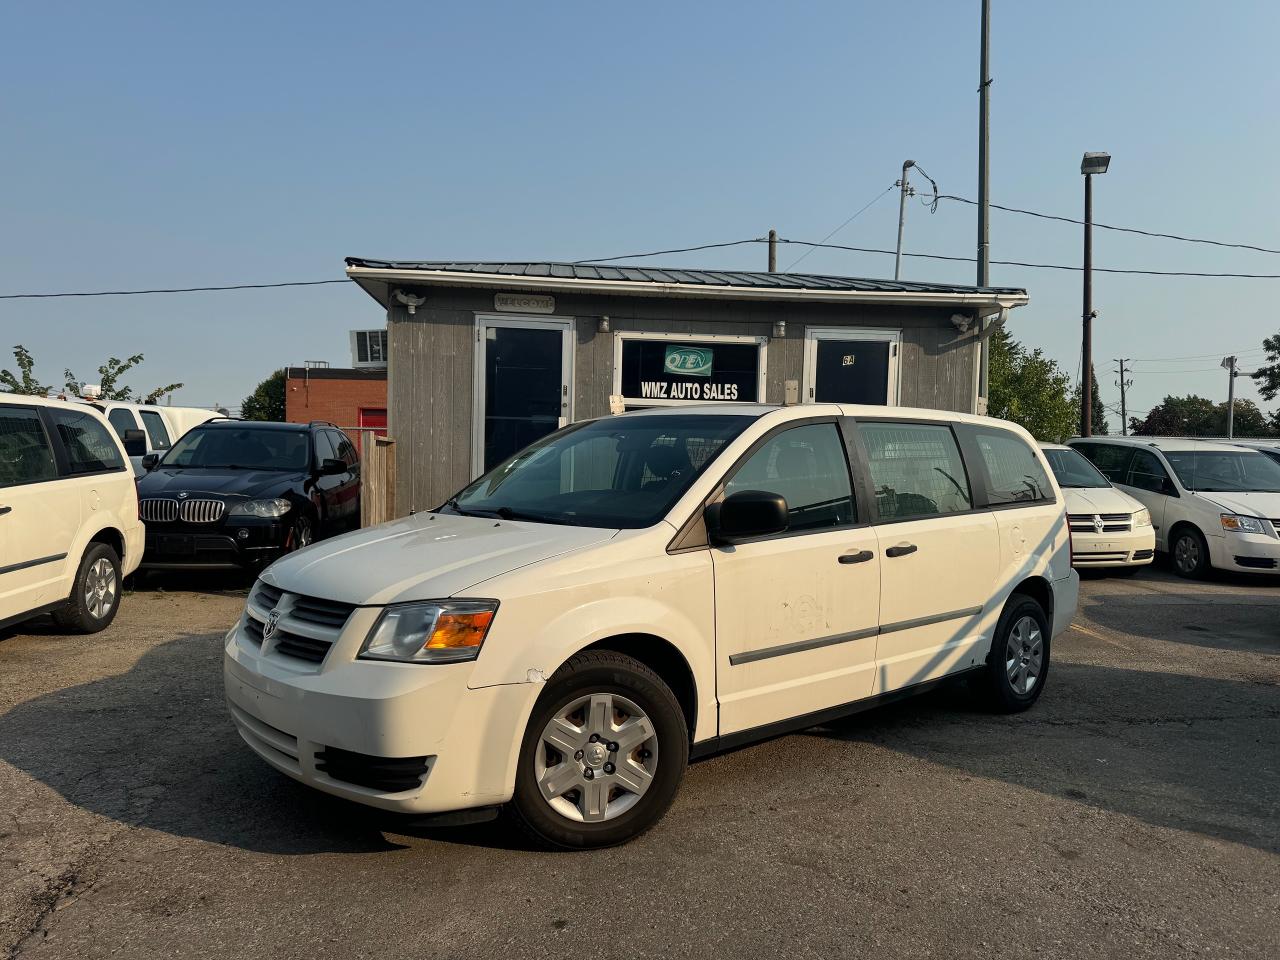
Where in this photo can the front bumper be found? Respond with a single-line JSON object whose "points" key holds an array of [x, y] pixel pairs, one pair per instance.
{"points": [[230, 543], [1128, 548], [328, 724], [1245, 552]]}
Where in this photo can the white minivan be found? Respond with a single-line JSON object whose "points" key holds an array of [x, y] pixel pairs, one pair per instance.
{"points": [[1109, 529], [1212, 504], [69, 527], [567, 631]]}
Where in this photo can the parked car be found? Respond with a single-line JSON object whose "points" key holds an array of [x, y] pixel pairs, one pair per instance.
{"points": [[1109, 529], [69, 528], [1212, 504], [567, 631], [237, 493], [1269, 447], [145, 428]]}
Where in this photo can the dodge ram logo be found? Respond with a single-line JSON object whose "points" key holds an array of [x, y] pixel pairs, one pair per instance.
{"points": [[269, 628]]}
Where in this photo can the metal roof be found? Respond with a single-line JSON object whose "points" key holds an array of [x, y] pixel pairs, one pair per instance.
{"points": [[667, 276]]}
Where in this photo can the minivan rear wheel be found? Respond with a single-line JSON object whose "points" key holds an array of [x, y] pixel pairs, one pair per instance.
{"points": [[1018, 664], [95, 593], [602, 756]]}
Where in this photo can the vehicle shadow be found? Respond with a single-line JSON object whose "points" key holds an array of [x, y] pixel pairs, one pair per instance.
{"points": [[215, 582], [1191, 753], [1225, 621]]}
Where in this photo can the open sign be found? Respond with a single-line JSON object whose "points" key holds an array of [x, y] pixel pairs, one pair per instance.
{"points": [[690, 361]]}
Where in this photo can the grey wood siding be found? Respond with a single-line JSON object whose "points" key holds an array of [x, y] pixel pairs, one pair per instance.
{"points": [[432, 357]]}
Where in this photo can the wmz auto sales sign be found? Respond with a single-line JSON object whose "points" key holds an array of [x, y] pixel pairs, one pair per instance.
{"points": [[663, 370]]}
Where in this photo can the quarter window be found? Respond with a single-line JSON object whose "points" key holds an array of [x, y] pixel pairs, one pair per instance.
{"points": [[1013, 469], [89, 445], [916, 470], [25, 454], [807, 466]]}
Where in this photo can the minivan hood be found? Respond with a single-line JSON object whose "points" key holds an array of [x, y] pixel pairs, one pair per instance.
{"points": [[1247, 504], [1098, 500], [198, 481], [423, 557]]}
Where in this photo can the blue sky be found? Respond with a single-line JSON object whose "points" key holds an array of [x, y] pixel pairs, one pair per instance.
{"points": [[180, 144]]}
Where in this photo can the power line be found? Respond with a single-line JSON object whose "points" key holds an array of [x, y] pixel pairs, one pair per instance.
{"points": [[1105, 226], [660, 253], [861, 210], [134, 293]]}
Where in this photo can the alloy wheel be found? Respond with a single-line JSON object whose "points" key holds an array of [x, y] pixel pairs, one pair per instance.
{"points": [[596, 758], [1186, 554], [1024, 655], [100, 588]]}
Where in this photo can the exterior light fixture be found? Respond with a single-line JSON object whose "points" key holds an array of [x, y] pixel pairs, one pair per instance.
{"points": [[602, 325], [779, 328], [1095, 163]]}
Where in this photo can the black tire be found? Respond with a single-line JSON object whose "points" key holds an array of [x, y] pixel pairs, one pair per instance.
{"points": [[84, 613], [998, 688], [1189, 553], [601, 672], [302, 533]]}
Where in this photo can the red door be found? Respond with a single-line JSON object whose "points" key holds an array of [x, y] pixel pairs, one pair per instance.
{"points": [[372, 418]]}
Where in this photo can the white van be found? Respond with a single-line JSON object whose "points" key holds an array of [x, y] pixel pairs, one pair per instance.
{"points": [[160, 426], [1212, 504], [1109, 529], [69, 527], [566, 632]]}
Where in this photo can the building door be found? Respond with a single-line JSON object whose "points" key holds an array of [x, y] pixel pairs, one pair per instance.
{"points": [[851, 366], [523, 388]]}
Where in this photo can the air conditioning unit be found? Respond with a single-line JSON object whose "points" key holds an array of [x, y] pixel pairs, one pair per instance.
{"points": [[368, 348]]}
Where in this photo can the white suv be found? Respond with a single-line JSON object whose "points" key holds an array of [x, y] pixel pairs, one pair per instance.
{"points": [[69, 527], [566, 632], [1212, 504]]}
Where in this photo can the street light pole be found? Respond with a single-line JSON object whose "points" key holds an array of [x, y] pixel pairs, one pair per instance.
{"points": [[1229, 363], [902, 216], [1091, 164]]}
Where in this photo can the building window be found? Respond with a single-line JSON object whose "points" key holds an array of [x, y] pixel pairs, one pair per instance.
{"points": [[654, 370], [368, 348]]}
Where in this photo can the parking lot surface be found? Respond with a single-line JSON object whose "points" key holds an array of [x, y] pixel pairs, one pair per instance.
{"points": [[1135, 811]]}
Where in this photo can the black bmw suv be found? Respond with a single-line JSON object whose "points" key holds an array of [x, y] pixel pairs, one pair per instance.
{"points": [[239, 493]]}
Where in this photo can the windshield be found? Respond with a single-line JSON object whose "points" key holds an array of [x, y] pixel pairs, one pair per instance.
{"points": [[1073, 470], [623, 472], [242, 448], [1243, 472]]}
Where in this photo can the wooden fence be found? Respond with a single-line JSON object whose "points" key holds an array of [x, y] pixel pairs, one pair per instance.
{"points": [[377, 478]]}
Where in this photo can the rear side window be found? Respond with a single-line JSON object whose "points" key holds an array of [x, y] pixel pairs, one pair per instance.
{"points": [[807, 466], [916, 470], [1013, 469], [1111, 458], [157, 432], [25, 454], [89, 445], [122, 420]]}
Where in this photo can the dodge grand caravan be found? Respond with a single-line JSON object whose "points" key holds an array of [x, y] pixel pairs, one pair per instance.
{"points": [[565, 633]]}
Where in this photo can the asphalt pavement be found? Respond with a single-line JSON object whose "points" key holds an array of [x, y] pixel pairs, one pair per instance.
{"points": [[1134, 812]]}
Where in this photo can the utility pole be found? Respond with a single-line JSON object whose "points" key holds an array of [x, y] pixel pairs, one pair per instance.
{"points": [[902, 215], [984, 195], [1124, 384], [1229, 364], [1086, 343], [773, 251]]}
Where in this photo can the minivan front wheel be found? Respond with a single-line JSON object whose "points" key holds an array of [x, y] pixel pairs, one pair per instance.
{"points": [[1190, 554], [1018, 664], [602, 756]]}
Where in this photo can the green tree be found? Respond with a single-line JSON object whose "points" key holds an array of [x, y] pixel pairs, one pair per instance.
{"points": [[267, 400], [1099, 413], [23, 382], [1193, 416], [1030, 389], [109, 375], [1268, 376]]}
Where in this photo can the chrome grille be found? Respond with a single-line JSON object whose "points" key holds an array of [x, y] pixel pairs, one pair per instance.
{"points": [[1111, 522], [158, 511], [201, 511]]}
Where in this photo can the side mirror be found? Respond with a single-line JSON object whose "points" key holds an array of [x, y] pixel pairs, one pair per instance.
{"points": [[135, 443], [149, 461], [745, 515], [329, 467]]}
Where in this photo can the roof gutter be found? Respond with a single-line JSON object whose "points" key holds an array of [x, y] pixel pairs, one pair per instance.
{"points": [[450, 278]]}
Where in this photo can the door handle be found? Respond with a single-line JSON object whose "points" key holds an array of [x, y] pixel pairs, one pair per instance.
{"points": [[901, 550], [4, 510], [862, 556]]}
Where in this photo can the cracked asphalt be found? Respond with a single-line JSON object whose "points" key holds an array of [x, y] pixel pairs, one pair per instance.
{"points": [[1134, 812]]}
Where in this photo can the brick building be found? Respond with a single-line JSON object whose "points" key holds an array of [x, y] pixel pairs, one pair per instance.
{"points": [[351, 398]]}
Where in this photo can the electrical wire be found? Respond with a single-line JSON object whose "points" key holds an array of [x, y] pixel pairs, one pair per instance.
{"points": [[1107, 226], [861, 210], [134, 293], [659, 253]]}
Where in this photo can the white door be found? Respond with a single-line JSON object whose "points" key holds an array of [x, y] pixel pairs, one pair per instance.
{"points": [[796, 613], [523, 385], [1147, 481], [940, 556], [39, 515], [851, 365]]}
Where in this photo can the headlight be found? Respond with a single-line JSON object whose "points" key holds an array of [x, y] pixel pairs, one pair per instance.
{"points": [[1231, 521], [1142, 518], [443, 631], [275, 507]]}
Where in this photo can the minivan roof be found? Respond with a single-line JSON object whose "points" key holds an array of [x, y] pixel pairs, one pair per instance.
{"points": [[799, 410], [1170, 444]]}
